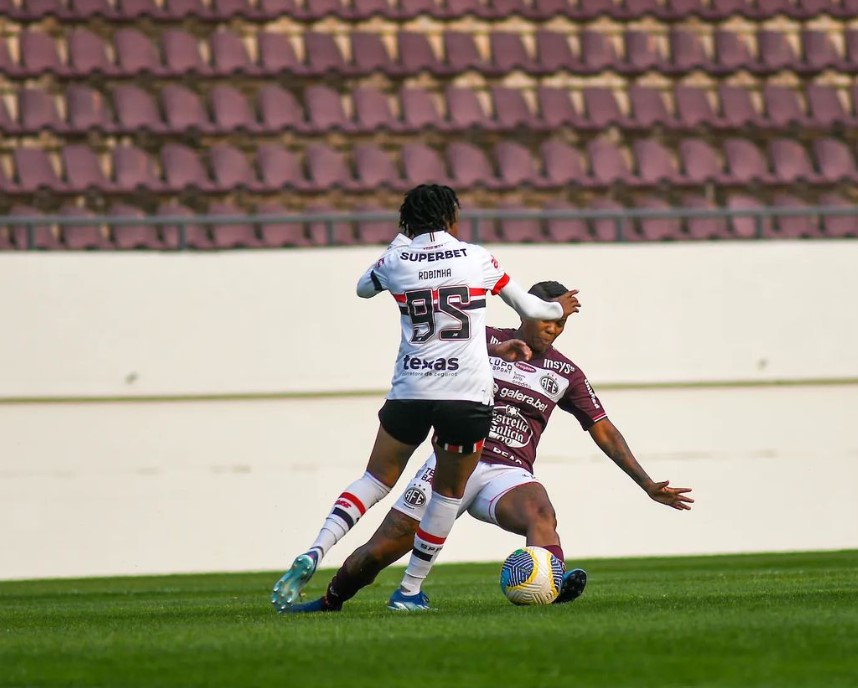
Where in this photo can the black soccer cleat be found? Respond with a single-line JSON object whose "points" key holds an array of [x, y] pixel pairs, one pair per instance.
{"points": [[573, 585]]}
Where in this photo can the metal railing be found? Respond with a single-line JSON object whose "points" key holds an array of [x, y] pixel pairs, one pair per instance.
{"points": [[472, 218]]}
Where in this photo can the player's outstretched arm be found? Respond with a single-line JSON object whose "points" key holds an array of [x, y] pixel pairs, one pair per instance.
{"points": [[511, 350], [532, 307], [613, 444]]}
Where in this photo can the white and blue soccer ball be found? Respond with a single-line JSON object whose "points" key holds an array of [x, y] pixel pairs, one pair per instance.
{"points": [[531, 575]]}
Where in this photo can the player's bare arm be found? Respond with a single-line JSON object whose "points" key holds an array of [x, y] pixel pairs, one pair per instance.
{"points": [[613, 444], [511, 350]]}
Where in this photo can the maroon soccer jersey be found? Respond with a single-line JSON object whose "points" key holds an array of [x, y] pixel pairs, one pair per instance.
{"points": [[525, 396]]}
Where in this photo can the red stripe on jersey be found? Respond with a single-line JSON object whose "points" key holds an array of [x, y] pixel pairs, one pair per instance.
{"points": [[399, 297], [475, 291], [428, 537], [501, 283], [354, 500]]}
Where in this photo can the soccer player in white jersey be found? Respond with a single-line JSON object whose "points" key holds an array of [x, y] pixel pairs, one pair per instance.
{"points": [[442, 380], [503, 489]]}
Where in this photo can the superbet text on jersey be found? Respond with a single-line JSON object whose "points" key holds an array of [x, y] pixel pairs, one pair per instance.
{"points": [[525, 396], [440, 285]]}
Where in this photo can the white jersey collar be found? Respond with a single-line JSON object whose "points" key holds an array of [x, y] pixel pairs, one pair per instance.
{"points": [[438, 237]]}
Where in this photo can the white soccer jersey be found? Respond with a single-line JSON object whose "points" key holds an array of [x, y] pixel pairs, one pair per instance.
{"points": [[440, 285]]}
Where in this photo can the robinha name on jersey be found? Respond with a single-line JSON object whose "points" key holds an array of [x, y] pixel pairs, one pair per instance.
{"points": [[434, 274]]}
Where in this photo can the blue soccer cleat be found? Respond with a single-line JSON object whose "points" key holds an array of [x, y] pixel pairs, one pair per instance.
{"points": [[310, 607], [399, 601], [288, 588], [573, 585]]}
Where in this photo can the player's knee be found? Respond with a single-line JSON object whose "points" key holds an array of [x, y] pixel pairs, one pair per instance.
{"points": [[543, 515]]}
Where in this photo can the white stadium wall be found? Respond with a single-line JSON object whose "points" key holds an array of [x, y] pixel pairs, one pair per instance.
{"points": [[172, 412]]}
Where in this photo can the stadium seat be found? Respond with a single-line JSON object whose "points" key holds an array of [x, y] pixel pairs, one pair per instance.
{"points": [[86, 110], [279, 169], [686, 53], [232, 234], [88, 54], [372, 110], [183, 233], [37, 111], [136, 54], [737, 107], [461, 53], [182, 56], [747, 226], [35, 172], [732, 52], [470, 167], [693, 108], [423, 165], [795, 226], [274, 234], [277, 55], [554, 54], [80, 237], [375, 169], [597, 53], [565, 229], [518, 230], [835, 161], [133, 171], [562, 165], [516, 166], [838, 226], [745, 163], [611, 228], [280, 110], [825, 107], [791, 163], [508, 53], [229, 55], [374, 231], [325, 110], [642, 54], [464, 110], [322, 54], [608, 165], [184, 111], [648, 108], [556, 108], [601, 109], [330, 232], [231, 170], [704, 228], [369, 55], [231, 112], [133, 236], [420, 111], [656, 228], [39, 55], [82, 170], [782, 107], [36, 235], [511, 110], [701, 164], [654, 163], [327, 169], [136, 111], [774, 53], [183, 170], [415, 55], [819, 53]]}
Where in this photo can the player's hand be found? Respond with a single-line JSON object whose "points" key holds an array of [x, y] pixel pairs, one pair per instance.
{"points": [[671, 496], [569, 301], [511, 350]]}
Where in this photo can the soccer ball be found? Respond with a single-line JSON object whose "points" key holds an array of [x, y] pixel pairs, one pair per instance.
{"points": [[531, 575]]}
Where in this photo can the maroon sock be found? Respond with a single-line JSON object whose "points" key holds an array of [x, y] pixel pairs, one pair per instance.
{"points": [[343, 587], [557, 551]]}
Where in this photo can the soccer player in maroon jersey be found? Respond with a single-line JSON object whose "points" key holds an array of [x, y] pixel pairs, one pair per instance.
{"points": [[503, 490]]}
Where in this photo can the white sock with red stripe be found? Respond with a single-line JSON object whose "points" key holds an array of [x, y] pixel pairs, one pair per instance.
{"points": [[433, 531], [349, 507]]}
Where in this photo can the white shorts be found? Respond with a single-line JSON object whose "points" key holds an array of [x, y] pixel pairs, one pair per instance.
{"points": [[488, 483]]}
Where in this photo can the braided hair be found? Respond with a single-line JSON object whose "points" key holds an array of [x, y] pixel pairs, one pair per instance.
{"points": [[428, 208], [547, 290]]}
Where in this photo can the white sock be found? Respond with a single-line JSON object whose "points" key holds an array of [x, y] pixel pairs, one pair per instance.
{"points": [[434, 528], [353, 503]]}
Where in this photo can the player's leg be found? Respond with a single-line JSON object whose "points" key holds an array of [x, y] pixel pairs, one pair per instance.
{"points": [[392, 540], [402, 428], [461, 428], [527, 510]]}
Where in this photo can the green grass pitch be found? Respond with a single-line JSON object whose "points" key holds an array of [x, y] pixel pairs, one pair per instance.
{"points": [[774, 620]]}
